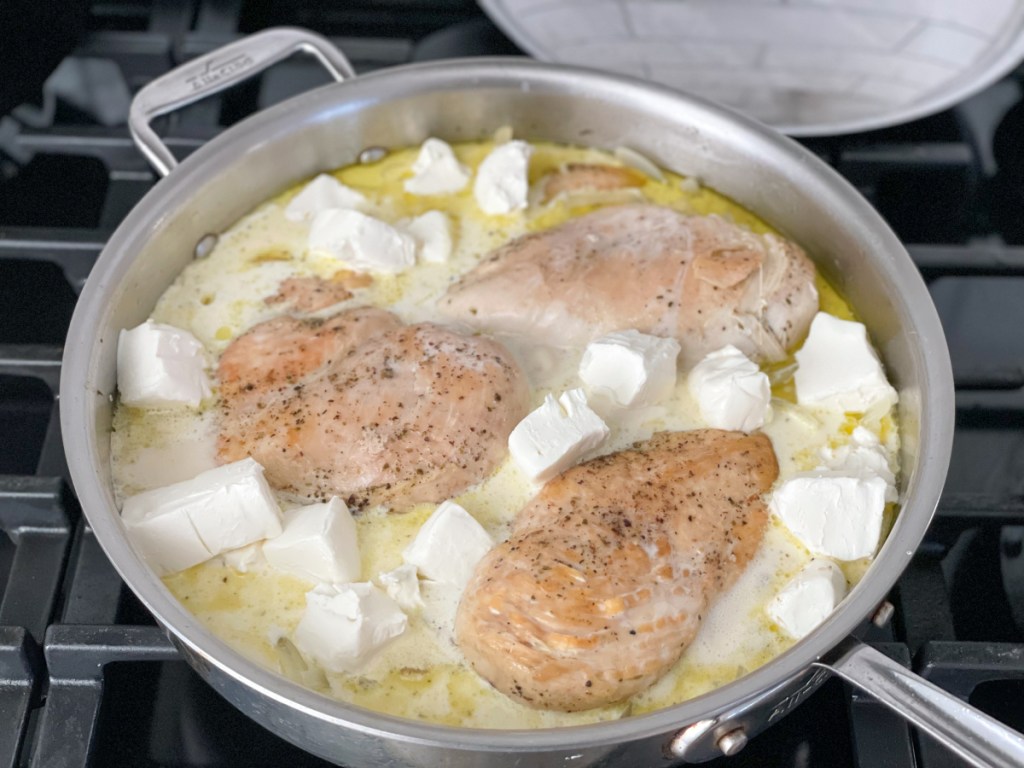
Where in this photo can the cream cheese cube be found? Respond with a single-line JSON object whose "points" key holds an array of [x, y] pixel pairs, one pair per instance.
{"points": [[344, 625], [321, 194], [449, 545], [808, 598], [730, 390], [436, 170], [167, 541], [632, 368], [403, 586], [318, 543], [181, 525], [556, 435], [502, 180], [159, 366], [863, 457], [837, 368], [364, 243], [832, 514], [433, 233]]}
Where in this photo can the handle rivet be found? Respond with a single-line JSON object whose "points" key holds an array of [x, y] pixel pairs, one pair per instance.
{"points": [[205, 246], [686, 737], [883, 614], [372, 155], [732, 742]]}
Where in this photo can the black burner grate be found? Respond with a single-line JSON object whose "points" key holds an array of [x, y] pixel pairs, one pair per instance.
{"points": [[86, 679], [21, 676]]}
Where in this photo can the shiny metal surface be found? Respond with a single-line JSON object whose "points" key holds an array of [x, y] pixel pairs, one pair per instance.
{"points": [[732, 742], [974, 736], [465, 100], [217, 71]]}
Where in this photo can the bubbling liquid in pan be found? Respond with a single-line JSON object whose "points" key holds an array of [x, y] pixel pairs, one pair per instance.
{"points": [[421, 674]]}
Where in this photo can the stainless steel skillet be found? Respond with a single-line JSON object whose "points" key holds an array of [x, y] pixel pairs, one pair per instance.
{"points": [[466, 100]]}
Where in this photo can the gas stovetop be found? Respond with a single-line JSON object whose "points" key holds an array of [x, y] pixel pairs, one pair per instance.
{"points": [[87, 679]]}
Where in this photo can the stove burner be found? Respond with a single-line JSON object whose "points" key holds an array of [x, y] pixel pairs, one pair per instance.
{"points": [[87, 679]]}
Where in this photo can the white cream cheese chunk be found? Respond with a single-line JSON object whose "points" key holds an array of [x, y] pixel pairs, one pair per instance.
{"points": [[318, 543], [364, 243], [403, 586], [322, 193], [181, 525], [837, 368], [556, 435], [436, 170], [245, 559], [345, 624], [449, 545], [159, 366], [730, 390], [167, 540], [863, 457], [502, 180], [808, 598], [831, 513], [632, 368], [433, 233]]}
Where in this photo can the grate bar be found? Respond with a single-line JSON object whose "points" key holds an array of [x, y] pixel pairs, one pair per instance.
{"points": [[880, 738], [993, 399], [171, 17], [907, 155], [960, 667], [74, 251], [39, 361], [982, 509], [78, 653], [363, 52], [52, 462], [968, 260], [19, 680], [999, 378], [218, 16], [75, 657], [92, 594], [922, 600], [33, 514]]}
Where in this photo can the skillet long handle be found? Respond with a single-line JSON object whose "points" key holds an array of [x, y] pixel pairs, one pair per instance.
{"points": [[974, 736], [214, 72]]}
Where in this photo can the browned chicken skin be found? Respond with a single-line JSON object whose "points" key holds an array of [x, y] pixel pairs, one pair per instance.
{"points": [[312, 293], [577, 177], [701, 279], [611, 567], [366, 408]]}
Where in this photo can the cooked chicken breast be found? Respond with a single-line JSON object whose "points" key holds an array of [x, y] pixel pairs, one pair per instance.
{"points": [[577, 177], [312, 293], [701, 279], [611, 567], [363, 407]]}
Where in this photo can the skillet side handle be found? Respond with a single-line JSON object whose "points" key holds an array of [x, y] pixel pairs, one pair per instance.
{"points": [[216, 71], [971, 734]]}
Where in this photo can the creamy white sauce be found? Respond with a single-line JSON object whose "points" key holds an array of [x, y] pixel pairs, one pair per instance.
{"points": [[421, 673]]}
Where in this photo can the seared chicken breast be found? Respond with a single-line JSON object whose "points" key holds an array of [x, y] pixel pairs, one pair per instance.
{"points": [[366, 408], [583, 177], [311, 293], [610, 568], [700, 279]]}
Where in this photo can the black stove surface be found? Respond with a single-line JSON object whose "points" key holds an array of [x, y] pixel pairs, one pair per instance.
{"points": [[87, 679]]}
